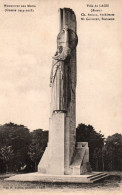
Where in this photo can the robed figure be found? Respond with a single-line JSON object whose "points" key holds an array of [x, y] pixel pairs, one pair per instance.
{"points": [[60, 76]]}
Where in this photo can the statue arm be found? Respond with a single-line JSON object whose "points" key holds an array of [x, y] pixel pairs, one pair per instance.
{"points": [[55, 66], [64, 55]]}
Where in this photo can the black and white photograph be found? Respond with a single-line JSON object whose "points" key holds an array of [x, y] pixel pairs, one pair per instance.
{"points": [[60, 97]]}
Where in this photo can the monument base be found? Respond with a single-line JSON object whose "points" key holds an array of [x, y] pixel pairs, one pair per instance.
{"points": [[79, 165], [89, 178]]}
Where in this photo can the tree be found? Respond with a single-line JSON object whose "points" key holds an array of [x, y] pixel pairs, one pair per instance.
{"points": [[18, 137], [6, 154], [86, 133], [37, 146], [113, 146], [35, 153], [104, 152]]}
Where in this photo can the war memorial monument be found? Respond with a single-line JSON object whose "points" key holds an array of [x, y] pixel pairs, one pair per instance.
{"points": [[64, 159], [63, 155]]}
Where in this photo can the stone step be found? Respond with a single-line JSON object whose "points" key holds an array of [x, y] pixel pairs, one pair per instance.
{"points": [[99, 178], [96, 174]]}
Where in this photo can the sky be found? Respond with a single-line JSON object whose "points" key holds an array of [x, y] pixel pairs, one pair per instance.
{"points": [[27, 44]]}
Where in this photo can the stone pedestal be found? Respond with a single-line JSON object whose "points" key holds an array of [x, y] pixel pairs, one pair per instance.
{"points": [[56, 147]]}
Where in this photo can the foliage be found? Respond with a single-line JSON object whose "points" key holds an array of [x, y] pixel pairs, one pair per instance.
{"points": [[113, 152], [6, 154], [18, 137], [37, 146], [24, 147]]}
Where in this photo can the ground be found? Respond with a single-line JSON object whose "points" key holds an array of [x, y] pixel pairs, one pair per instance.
{"points": [[110, 185]]}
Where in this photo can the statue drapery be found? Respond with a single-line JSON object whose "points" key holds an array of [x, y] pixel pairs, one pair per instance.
{"points": [[60, 73]]}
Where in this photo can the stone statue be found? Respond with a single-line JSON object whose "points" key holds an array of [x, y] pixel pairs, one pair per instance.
{"points": [[59, 79]]}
